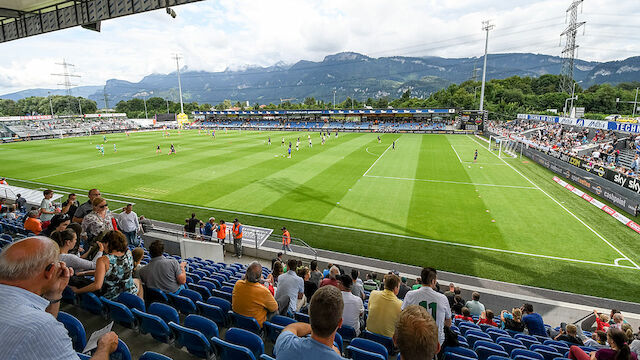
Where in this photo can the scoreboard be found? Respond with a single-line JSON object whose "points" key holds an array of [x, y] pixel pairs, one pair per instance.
{"points": [[473, 119]]}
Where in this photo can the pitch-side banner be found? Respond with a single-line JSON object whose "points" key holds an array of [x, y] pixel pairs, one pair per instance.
{"points": [[594, 124], [623, 219]]}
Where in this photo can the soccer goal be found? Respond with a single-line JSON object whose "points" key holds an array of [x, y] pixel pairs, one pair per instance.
{"points": [[503, 146]]}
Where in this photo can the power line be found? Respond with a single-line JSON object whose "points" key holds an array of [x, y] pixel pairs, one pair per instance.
{"points": [[569, 51]]}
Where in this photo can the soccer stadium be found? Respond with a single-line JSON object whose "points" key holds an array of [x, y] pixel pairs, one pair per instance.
{"points": [[397, 227]]}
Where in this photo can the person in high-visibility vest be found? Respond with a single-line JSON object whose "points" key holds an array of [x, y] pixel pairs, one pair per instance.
{"points": [[237, 237], [221, 232], [286, 239]]}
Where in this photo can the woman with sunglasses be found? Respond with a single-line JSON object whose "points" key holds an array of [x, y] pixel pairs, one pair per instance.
{"points": [[58, 222], [99, 220], [66, 240]]}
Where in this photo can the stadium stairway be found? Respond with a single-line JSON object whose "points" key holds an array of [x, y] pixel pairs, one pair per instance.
{"points": [[554, 306]]}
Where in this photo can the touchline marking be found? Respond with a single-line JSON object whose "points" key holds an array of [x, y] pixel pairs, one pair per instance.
{"points": [[346, 228], [450, 182], [454, 150], [379, 157], [562, 206]]}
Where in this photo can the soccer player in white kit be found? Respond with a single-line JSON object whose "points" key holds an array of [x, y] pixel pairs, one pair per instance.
{"points": [[436, 303]]}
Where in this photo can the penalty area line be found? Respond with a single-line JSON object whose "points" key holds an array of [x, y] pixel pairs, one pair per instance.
{"points": [[441, 242], [567, 210], [450, 182], [454, 150]]}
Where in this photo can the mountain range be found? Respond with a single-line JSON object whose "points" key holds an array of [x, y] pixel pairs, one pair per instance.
{"points": [[346, 74]]}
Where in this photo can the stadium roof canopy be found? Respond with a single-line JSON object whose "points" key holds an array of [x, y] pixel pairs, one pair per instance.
{"points": [[23, 18]]}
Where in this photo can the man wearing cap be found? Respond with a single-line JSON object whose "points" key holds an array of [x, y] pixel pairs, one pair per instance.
{"points": [[286, 239], [237, 237]]}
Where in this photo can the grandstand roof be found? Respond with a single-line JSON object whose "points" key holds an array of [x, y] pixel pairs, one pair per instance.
{"points": [[328, 112], [22, 18]]}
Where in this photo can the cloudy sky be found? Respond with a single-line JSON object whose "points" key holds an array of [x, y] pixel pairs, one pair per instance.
{"points": [[214, 35]]}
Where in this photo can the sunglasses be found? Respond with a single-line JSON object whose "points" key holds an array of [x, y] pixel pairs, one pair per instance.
{"points": [[103, 206]]}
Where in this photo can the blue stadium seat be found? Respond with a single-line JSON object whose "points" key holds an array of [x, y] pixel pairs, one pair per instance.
{"points": [[154, 325], [560, 346], [464, 352], [75, 329], [496, 357], [272, 331], [195, 342], [131, 301], [119, 313], [69, 297], [509, 346], [192, 294], [360, 354], [455, 356], [472, 336], [230, 351], [527, 340], [526, 353], [150, 355], [183, 304], [209, 285], [370, 346], [122, 352], [227, 289], [246, 322], [247, 339], [222, 294], [212, 312], [206, 326], [385, 341], [487, 344], [467, 325], [155, 295], [484, 352], [209, 280], [266, 357], [347, 333], [301, 317], [83, 356], [536, 347], [166, 312], [495, 333], [90, 302]]}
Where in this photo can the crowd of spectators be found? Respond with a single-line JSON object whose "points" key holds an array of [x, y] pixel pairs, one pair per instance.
{"points": [[35, 128], [573, 141]]}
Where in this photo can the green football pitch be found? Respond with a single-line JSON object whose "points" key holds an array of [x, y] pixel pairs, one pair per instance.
{"points": [[425, 203]]}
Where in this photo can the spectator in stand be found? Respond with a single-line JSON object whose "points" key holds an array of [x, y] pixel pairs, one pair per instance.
{"points": [[513, 320], [602, 321], [97, 222], [466, 315], [325, 272], [416, 334], [21, 202], [275, 259], [325, 317], [70, 206], [278, 269], [357, 289], [86, 207], [32, 223], [598, 340], [417, 285], [58, 222], [385, 307], [332, 279], [309, 286], [137, 254], [533, 321], [486, 317], [619, 350], [164, 273], [129, 225], [635, 345], [252, 299], [450, 293], [47, 209], [66, 240], [436, 302], [404, 289], [353, 312], [475, 306], [31, 283], [191, 223], [570, 335], [369, 284], [316, 275], [114, 271], [207, 231], [11, 214], [618, 320], [145, 223], [290, 286]]}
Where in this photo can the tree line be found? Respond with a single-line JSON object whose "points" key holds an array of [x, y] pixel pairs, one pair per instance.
{"points": [[39, 105]]}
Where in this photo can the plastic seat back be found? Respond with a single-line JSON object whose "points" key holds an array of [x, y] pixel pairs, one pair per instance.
{"points": [[154, 325], [385, 341], [223, 295], [360, 354], [246, 322], [347, 333], [487, 344], [206, 326], [224, 304], [75, 329], [192, 294], [195, 342], [166, 312], [526, 353], [301, 317], [213, 313], [229, 351], [282, 320], [484, 352], [155, 295], [122, 352], [131, 301], [247, 339], [370, 346], [548, 354], [209, 285], [150, 355], [183, 304], [464, 352], [90, 302], [119, 313]]}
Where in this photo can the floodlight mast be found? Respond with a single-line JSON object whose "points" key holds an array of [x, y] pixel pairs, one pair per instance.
{"points": [[179, 83], [486, 26]]}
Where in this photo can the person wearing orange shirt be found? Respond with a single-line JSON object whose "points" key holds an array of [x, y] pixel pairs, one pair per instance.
{"points": [[221, 232], [286, 239], [32, 223]]}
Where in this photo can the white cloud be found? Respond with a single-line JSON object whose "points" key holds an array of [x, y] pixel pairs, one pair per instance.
{"points": [[215, 35]]}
